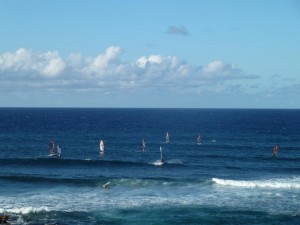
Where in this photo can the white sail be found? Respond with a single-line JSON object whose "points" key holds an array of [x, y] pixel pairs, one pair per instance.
{"points": [[101, 146], [143, 146], [167, 137], [58, 151], [199, 139], [161, 161]]}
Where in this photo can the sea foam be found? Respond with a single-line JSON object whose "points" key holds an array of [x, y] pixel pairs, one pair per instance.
{"points": [[25, 210], [271, 183]]}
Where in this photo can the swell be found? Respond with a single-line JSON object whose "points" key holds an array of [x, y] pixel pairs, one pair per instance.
{"points": [[49, 180], [44, 162], [253, 158], [275, 183], [99, 181], [209, 163]]}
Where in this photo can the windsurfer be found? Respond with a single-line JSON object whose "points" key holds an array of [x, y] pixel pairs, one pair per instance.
{"points": [[143, 146], [106, 185], [51, 147], [167, 137], [58, 151], [161, 157], [275, 150], [101, 146], [4, 218]]}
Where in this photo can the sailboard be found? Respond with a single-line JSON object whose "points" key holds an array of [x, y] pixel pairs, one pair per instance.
{"points": [[51, 148], [161, 161], [58, 151], [101, 146], [167, 137], [199, 141], [143, 146], [275, 150]]}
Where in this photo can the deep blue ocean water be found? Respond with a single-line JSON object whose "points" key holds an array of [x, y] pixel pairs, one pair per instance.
{"points": [[230, 178]]}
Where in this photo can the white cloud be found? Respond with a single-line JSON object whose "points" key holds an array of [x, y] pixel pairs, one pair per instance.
{"points": [[24, 62], [152, 59], [53, 67], [177, 30], [221, 70], [98, 64], [20, 60], [49, 70]]}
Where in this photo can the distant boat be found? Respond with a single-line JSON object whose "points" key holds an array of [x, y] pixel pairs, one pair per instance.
{"points": [[143, 146], [167, 137], [101, 146], [199, 141]]}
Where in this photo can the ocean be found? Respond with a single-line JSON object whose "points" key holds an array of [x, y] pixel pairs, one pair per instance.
{"points": [[230, 178]]}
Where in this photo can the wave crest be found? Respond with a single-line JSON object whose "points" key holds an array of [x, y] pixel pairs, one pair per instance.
{"points": [[273, 183], [25, 210]]}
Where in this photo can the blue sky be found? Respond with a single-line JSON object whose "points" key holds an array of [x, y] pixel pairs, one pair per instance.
{"points": [[198, 54]]}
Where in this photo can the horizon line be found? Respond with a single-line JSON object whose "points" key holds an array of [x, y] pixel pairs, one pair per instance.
{"points": [[79, 107]]}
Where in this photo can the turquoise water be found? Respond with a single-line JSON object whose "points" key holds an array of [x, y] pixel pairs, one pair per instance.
{"points": [[230, 178]]}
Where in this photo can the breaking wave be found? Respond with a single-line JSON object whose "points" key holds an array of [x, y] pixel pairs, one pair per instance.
{"points": [[270, 183]]}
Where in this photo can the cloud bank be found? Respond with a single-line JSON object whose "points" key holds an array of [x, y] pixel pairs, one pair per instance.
{"points": [[48, 70]]}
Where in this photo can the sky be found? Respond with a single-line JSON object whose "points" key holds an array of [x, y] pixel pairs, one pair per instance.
{"points": [[150, 54]]}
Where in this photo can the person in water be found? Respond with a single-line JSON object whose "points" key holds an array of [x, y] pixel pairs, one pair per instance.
{"points": [[58, 151], [106, 185], [275, 150], [51, 147], [3, 219]]}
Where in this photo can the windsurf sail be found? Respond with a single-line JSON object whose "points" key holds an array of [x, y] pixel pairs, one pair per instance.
{"points": [[58, 151], [275, 150], [51, 148], [167, 137], [161, 156], [161, 161], [101, 146], [199, 139], [143, 146]]}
